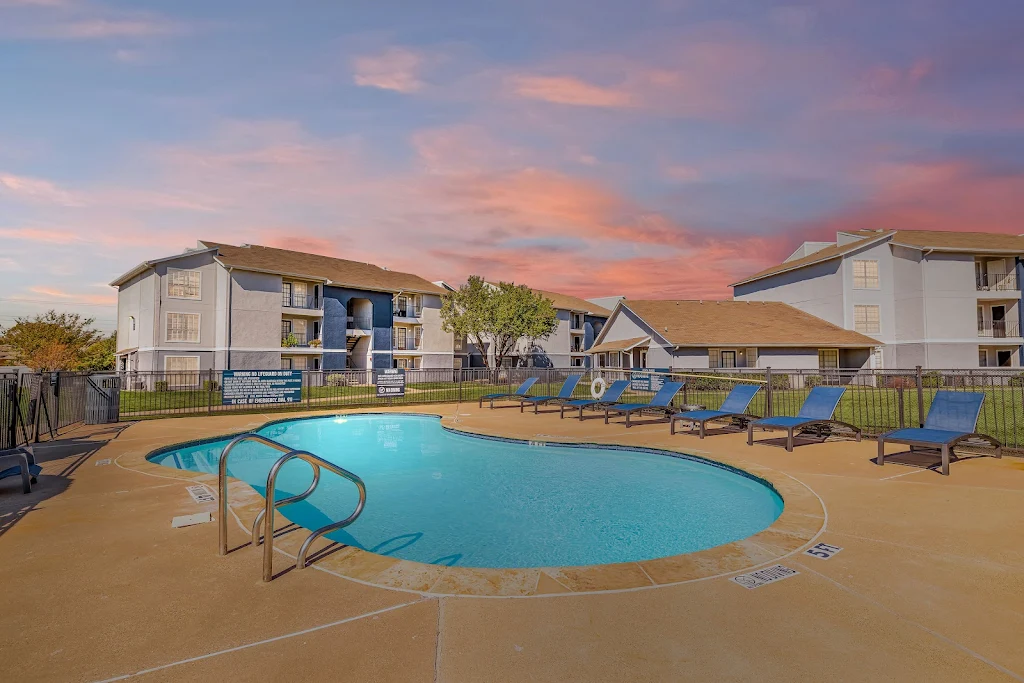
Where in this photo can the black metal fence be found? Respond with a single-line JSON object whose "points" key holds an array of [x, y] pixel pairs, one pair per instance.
{"points": [[875, 400], [40, 406]]}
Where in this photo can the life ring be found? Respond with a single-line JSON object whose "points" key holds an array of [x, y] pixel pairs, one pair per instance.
{"points": [[598, 387]]}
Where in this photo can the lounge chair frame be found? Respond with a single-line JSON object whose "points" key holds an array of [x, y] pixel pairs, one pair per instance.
{"points": [[945, 448], [595, 404], [538, 401], [19, 457], [666, 410], [506, 397], [821, 426], [736, 419]]}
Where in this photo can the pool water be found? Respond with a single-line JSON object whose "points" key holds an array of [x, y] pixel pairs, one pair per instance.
{"points": [[441, 497]]}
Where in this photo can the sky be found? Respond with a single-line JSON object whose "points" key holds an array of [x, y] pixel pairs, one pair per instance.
{"points": [[652, 149]]}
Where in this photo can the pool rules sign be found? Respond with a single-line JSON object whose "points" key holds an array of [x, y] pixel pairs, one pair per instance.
{"points": [[261, 387], [390, 383]]}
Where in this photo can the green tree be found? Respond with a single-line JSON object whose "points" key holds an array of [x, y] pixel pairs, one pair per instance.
{"points": [[51, 341], [501, 314], [100, 354]]}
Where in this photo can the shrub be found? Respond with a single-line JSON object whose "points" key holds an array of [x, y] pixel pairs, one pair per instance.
{"points": [[1017, 380], [811, 381], [289, 341], [932, 380], [160, 385], [210, 385], [315, 343], [336, 380]]}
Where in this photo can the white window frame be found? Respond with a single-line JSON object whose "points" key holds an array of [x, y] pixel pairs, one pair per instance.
{"points": [[167, 328], [722, 357], [983, 358], [714, 358], [199, 284], [867, 322], [828, 367], [750, 356], [865, 282]]}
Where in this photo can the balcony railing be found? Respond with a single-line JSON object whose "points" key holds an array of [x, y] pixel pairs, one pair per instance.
{"points": [[997, 282], [406, 345], [300, 301], [361, 322], [407, 311], [999, 329], [298, 339]]}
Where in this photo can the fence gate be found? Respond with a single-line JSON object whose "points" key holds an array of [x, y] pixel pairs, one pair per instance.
{"points": [[8, 411], [103, 399]]}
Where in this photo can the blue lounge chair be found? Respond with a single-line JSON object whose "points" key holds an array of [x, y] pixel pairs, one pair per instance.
{"points": [[21, 461], [661, 402], [734, 408], [521, 392], [951, 421], [611, 397], [565, 394], [816, 412]]}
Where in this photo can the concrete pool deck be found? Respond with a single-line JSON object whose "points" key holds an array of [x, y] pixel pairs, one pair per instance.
{"points": [[97, 585]]}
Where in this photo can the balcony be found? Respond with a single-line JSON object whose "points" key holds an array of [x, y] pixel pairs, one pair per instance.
{"points": [[997, 282], [407, 312], [999, 329], [299, 340], [302, 302], [405, 345]]}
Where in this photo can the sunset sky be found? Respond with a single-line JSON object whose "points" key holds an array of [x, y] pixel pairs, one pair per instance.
{"points": [[594, 147]]}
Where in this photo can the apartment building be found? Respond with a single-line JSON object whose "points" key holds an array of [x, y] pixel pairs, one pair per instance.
{"points": [[724, 334], [579, 323], [930, 298], [221, 306]]}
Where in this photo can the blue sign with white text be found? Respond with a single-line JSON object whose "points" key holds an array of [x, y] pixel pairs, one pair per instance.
{"points": [[261, 387]]}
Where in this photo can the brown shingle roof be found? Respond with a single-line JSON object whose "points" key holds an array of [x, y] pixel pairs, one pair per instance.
{"points": [[571, 303], [742, 323], [939, 240], [338, 271], [944, 240], [619, 345]]}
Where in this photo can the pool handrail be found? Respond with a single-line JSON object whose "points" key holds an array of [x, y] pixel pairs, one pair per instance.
{"points": [[265, 516]]}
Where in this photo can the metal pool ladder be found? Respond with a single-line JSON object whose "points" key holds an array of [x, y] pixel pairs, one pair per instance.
{"points": [[266, 516]]}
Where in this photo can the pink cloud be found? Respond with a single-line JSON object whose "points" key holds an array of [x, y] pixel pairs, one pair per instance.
{"points": [[568, 90], [40, 236], [37, 190], [108, 298], [397, 69]]}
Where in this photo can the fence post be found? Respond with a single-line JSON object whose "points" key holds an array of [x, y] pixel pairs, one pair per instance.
{"points": [[209, 394], [920, 397], [903, 417], [458, 380], [769, 400]]}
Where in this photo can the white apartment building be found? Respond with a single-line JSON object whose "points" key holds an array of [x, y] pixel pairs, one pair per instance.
{"points": [[944, 300]]}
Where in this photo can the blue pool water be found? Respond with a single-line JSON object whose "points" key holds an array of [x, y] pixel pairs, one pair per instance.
{"points": [[442, 497]]}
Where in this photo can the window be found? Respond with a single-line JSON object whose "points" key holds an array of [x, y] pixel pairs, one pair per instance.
{"points": [[728, 359], [131, 319], [184, 284], [181, 371], [877, 358], [286, 294], [577, 321], [714, 358], [982, 358], [865, 319], [828, 358], [286, 363], [183, 327], [577, 362], [865, 274], [751, 359], [419, 336]]}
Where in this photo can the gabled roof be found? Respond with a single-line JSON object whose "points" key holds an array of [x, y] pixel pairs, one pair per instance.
{"points": [[738, 324], [336, 271], [146, 265], [923, 240], [620, 345], [820, 256]]}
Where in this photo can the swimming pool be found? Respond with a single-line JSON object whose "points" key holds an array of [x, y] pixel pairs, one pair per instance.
{"points": [[444, 497]]}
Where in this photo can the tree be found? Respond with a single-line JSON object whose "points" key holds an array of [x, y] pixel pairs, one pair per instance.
{"points": [[100, 355], [501, 314], [51, 341]]}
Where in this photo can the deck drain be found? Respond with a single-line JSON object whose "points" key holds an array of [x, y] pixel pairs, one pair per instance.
{"points": [[200, 494], [104, 461], [822, 551], [763, 576]]}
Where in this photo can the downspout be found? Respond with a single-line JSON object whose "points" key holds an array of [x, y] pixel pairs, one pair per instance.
{"points": [[927, 336], [1019, 270], [231, 288]]}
